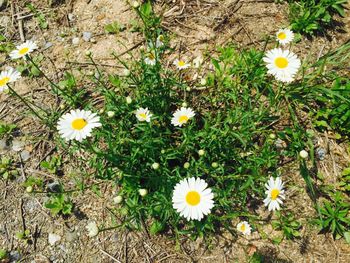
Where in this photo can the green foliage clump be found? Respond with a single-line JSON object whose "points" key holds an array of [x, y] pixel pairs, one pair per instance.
{"points": [[311, 16], [335, 216]]}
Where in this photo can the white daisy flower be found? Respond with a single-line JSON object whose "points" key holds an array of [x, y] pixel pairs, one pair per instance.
{"points": [[92, 229], [244, 228], [181, 64], [77, 124], [23, 49], [150, 58], [143, 114], [283, 64], [160, 41], [192, 199], [284, 36], [182, 116], [8, 76], [275, 194]]}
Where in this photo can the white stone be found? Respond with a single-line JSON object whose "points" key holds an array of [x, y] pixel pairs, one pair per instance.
{"points": [[53, 238], [75, 41]]}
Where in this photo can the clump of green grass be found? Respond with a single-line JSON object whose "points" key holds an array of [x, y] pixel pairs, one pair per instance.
{"points": [[312, 16]]}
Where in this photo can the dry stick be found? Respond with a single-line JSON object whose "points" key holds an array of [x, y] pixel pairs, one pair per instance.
{"points": [[22, 216], [110, 256], [20, 27], [126, 247], [22, 168], [166, 257], [130, 49], [35, 236], [86, 64]]}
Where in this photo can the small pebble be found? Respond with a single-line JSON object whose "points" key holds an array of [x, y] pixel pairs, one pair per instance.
{"points": [[54, 187], [87, 36], [48, 45], [280, 144], [3, 145], [14, 256], [321, 153], [3, 4], [17, 145], [53, 238], [75, 41], [71, 17], [25, 155]]}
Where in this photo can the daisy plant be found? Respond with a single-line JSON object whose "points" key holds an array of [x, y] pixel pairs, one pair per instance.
{"points": [[199, 165]]}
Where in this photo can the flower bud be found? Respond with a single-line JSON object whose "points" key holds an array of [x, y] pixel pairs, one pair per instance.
{"points": [[215, 165], [203, 81], [184, 104], [272, 136], [155, 166], [143, 192], [118, 199], [135, 4], [304, 154], [110, 114], [88, 53], [186, 165], [201, 152], [128, 100], [29, 189]]}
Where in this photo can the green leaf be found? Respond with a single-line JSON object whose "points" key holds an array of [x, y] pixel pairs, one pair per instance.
{"points": [[347, 237], [156, 227], [216, 64]]}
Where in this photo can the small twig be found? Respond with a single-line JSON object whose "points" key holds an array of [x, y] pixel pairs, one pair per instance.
{"points": [[166, 257], [86, 64], [110, 256], [35, 236], [22, 167], [20, 28], [22, 216], [126, 247], [144, 227], [24, 17], [130, 49]]}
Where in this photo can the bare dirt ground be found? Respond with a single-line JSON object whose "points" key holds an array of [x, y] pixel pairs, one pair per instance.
{"points": [[194, 27]]}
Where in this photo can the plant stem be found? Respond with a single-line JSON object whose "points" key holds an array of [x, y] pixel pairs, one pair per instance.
{"points": [[25, 102]]}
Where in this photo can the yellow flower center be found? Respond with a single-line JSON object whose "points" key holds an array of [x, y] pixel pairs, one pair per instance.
{"points": [[183, 119], [161, 38], [274, 194], [243, 227], [79, 124], [151, 56], [143, 115], [181, 63], [281, 62], [23, 51], [4, 81], [193, 198], [282, 36]]}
